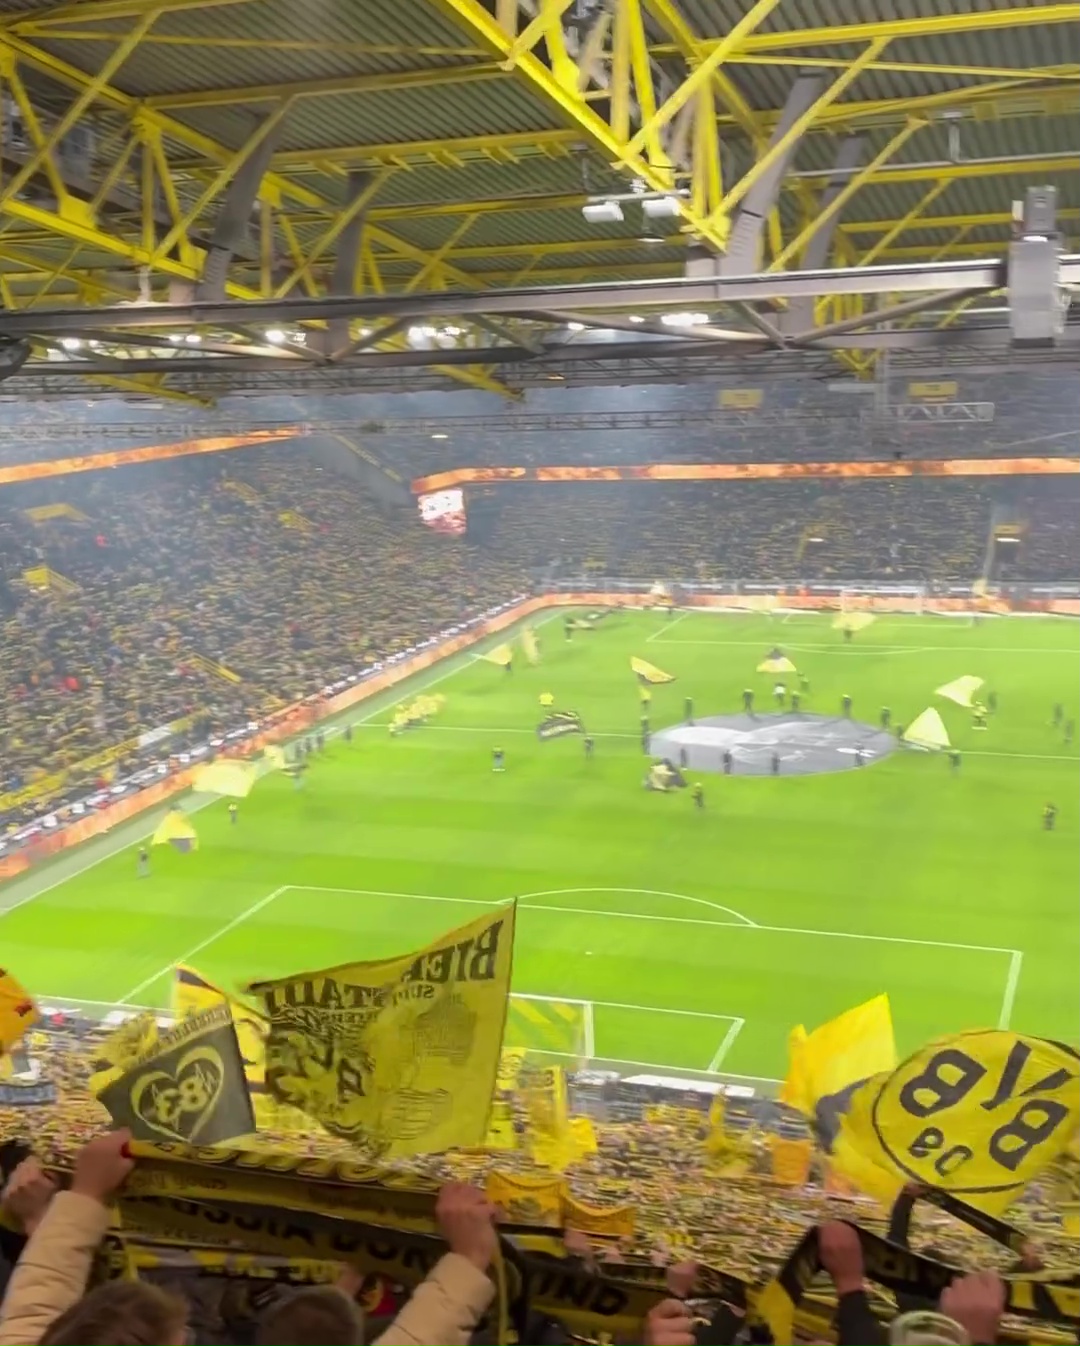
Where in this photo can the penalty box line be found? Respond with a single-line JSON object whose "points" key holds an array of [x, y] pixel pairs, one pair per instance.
{"points": [[1015, 956]]}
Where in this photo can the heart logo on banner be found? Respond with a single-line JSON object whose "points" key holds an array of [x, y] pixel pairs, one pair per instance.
{"points": [[180, 1104]]}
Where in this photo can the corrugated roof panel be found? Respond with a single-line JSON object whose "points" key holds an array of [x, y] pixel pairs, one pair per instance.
{"points": [[494, 180], [349, 30], [490, 106]]}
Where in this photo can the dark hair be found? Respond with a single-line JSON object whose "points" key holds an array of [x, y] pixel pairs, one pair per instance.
{"points": [[121, 1313], [319, 1316]]}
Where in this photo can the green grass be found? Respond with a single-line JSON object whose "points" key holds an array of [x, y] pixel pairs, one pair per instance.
{"points": [[637, 901]]}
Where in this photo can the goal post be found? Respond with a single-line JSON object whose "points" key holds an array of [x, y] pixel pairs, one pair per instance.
{"points": [[543, 1025], [909, 598]]}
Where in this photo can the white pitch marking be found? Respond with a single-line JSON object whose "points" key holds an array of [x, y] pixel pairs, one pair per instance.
{"points": [[821, 648], [676, 920], [659, 1066], [725, 1046], [600, 733], [649, 892], [334, 729], [590, 1030], [668, 626], [245, 915], [1011, 983]]}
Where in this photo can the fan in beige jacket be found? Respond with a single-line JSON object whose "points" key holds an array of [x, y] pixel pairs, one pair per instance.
{"points": [[65, 1229]]}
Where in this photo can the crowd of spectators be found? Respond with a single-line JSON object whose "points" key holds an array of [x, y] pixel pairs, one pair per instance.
{"points": [[208, 592], [686, 1209], [203, 592], [902, 531], [1048, 527]]}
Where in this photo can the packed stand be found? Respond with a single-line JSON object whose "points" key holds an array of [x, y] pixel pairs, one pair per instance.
{"points": [[689, 1208], [206, 592], [765, 532], [1049, 545]]}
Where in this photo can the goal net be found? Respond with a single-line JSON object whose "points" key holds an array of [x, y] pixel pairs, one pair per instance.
{"points": [[561, 1029], [876, 597]]}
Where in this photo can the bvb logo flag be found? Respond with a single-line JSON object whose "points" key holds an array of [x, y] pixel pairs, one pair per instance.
{"points": [[558, 723], [977, 1115], [188, 1087], [401, 1054], [17, 1011]]}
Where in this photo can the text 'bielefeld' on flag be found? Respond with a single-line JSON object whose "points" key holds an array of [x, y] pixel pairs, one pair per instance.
{"points": [[398, 1055]]}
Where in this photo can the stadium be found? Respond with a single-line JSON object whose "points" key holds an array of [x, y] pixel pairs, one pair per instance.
{"points": [[540, 588]]}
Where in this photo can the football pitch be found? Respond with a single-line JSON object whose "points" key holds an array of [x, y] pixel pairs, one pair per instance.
{"points": [[689, 940]]}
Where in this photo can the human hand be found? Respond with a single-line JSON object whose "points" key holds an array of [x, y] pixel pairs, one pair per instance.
{"points": [[680, 1278], [102, 1165], [669, 1324], [976, 1302], [467, 1222], [1030, 1257], [27, 1193], [841, 1255]]}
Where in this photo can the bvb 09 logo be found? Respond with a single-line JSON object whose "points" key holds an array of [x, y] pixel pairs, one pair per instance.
{"points": [[978, 1120]]}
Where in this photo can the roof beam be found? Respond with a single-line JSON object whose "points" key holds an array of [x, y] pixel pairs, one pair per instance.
{"points": [[631, 134], [895, 30], [436, 76]]}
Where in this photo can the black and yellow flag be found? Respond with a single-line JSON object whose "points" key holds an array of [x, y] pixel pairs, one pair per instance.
{"points": [[17, 1011], [189, 1086], [646, 672], [560, 722], [977, 1115], [400, 1055]]}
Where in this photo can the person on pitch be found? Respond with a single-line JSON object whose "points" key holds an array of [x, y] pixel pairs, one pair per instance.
{"points": [[588, 745], [978, 715], [991, 702], [779, 693], [320, 741], [845, 706], [498, 759], [1068, 731], [796, 701], [347, 733], [849, 635], [684, 758], [728, 761], [1057, 715], [568, 628], [234, 813], [860, 755], [804, 684], [954, 761], [748, 700], [688, 710], [886, 718], [775, 764], [142, 864], [645, 696], [697, 793], [1049, 817]]}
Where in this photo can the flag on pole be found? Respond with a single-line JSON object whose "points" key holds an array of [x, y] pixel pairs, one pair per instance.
{"points": [[175, 830], [225, 778], [927, 731], [646, 672], [17, 1011], [402, 1053]]}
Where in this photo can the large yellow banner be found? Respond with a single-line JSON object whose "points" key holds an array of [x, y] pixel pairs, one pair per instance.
{"points": [[400, 1055]]}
